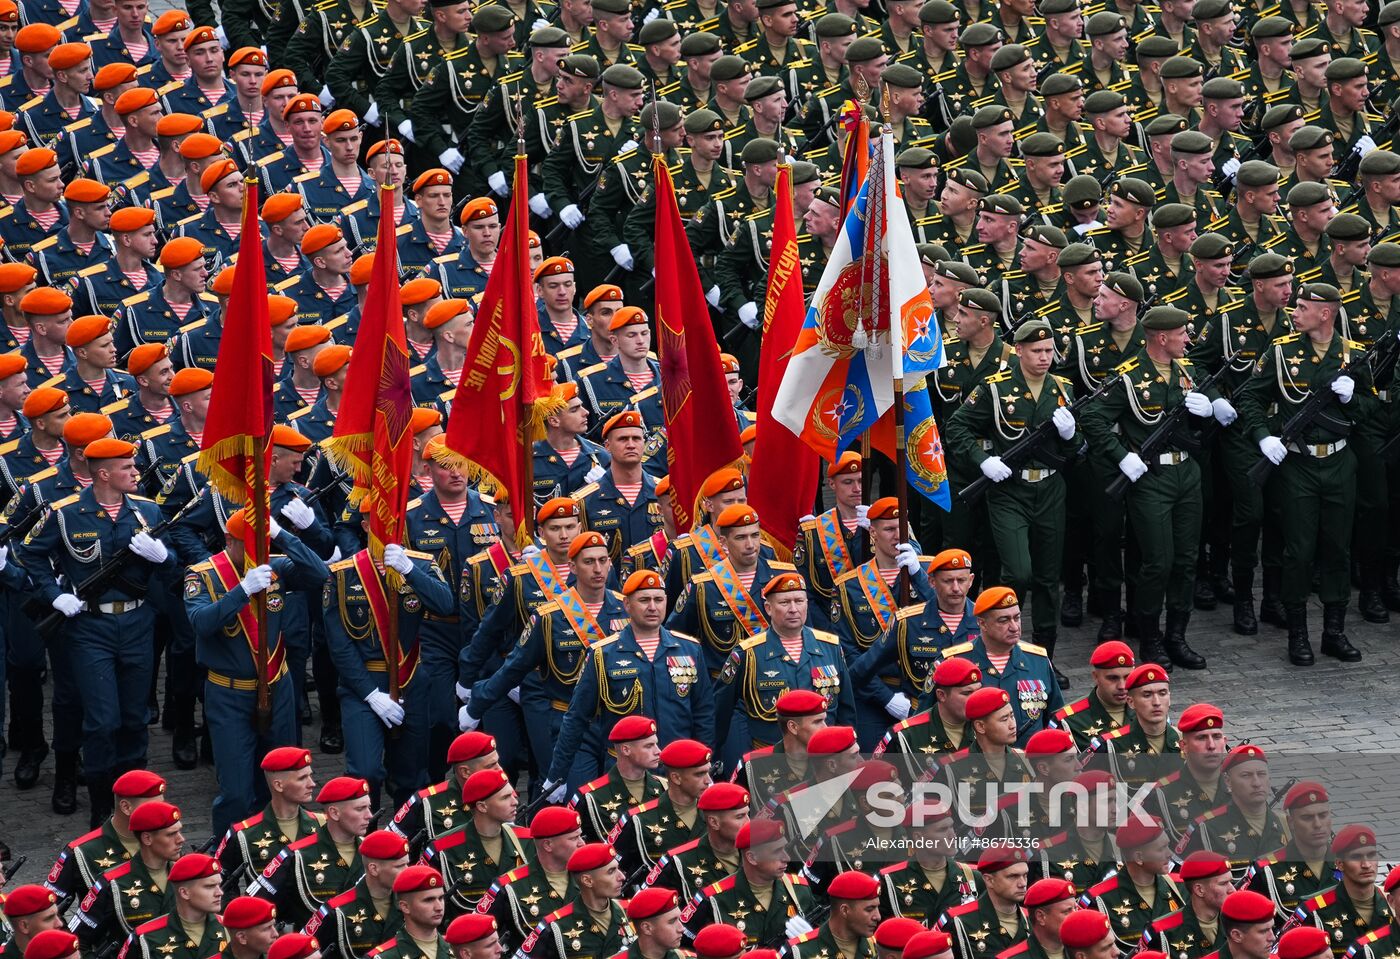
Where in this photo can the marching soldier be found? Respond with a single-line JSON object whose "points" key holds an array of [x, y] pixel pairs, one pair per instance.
{"points": [[366, 913], [519, 898], [484, 846]]}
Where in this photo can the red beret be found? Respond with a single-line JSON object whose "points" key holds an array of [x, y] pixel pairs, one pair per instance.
{"points": [[650, 903], [1146, 675], [292, 945], [986, 701], [1246, 752], [831, 739], [896, 932], [719, 941], [632, 728], [245, 912], [1392, 879], [552, 821], [1303, 942], [853, 886], [800, 702], [759, 832], [473, 927], [342, 788], [1111, 655], [27, 900], [723, 796], [52, 944], [193, 865], [685, 754], [956, 671], [1083, 928], [1200, 716], [1248, 906], [1352, 837], [1203, 864], [151, 816], [594, 855], [383, 844], [1138, 832], [1045, 891], [1305, 793], [286, 758], [926, 814], [926, 945], [138, 784], [1047, 742], [996, 858], [469, 746], [872, 772], [483, 784], [417, 878]]}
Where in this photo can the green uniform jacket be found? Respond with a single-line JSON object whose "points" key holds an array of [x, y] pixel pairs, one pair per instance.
{"points": [[1002, 410], [362, 61], [1136, 403], [1286, 374]]}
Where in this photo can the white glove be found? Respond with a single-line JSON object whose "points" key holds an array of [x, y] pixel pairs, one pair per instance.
{"points": [[1230, 167], [553, 791], [223, 37], [465, 722], [629, 145], [326, 97], [712, 295], [497, 182], [1083, 228], [797, 926], [68, 604], [572, 216], [898, 706], [389, 712], [541, 22], [1344, 386], [396, 559], [995, 470], [1365, 145], [622, 256], [594, 475], [406, 130], [1132, 467], [907, 557], [335, 556], [808, 518], [1064, 422], [257, 579], [149, 549], [274, 528], [1273, 449], [372, 114], [863, 516], [748, 315], [452, 159], [514, 695], [463, 693], [298, 513], [540, 206], [655, 12], [528, 551], [1224, 413], [4, 556], [1198, 404]]}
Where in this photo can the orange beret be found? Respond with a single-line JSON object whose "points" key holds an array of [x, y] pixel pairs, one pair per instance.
{"points": [[736, 514], [560, 507], [305, 337], [66, 56], [729, 363], [200, 146], [42, 400], [16, 276], [45, 301], [722, 481], [950, 559], [624, 420], [886, 507], [280, 309], [586, 540], [642, 579], [995, 597], [554, 266], [847, 462], [83, 190], [339, 121], [237, 524], [749, 433], [170, 21], [107, 449], [628, 316], [784, 583], [37, 38], [445, 310], [215, 172], [249, 55], [12, 140], [131, 218], [201, 35], [390, 146], [134, 99], [40, 158], [319, 237], [9, 11], [331, 360], [289, 439], [84, 428], [278, 78], [433, 177], [178, 124], [663, 487], [423, 418], [12, 363], [114, 75], [479, 209], [360, 269], [181, 251], [419, 291], [223, 282], [301, 103], [534, 241], [145, 356], [85, 329], [606, 291], [191, 379], [279, 206]]}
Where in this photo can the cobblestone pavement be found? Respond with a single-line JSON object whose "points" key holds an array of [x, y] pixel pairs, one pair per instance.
{"points": [[1343, 716]]}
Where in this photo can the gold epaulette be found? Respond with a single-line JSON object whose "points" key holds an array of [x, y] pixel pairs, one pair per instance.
{"points": [[155, 431], [1033, 648], [909, 612], [590, 370], [583, 492], [114, 407], [404, 230], [957, 650], [137, 298], [45, 243], [1127, 366], [1000, 377], [290, 281]]}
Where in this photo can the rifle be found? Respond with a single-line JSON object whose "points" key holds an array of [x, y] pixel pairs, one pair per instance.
{"points": [[15, 867], [318, 494], [113, 567], [553, 235], [1159, 437], [1024, 448], [25, 523], [1351, 163], [1318, 397]]}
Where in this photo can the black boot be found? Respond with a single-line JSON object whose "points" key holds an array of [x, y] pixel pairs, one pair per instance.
{"points": [[1046, 639], [1370, 600], [1175, 643], [29, 764], [99, 800], [1204, 596], [1220, 575], [65, 783], [1112, 626], [1391, 590], [332, 739], [1334, 637], [1299, 649], [1072, 609], [1271, 609], [184, 746], [1245, 622], [1150, 648]]}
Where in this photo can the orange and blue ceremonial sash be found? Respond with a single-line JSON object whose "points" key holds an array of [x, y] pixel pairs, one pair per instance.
{"points": [[878, 594], [707, 545], [247, 619], [543, 570], [381, 609], [831, 536], [737, 598], [580, 620]]}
